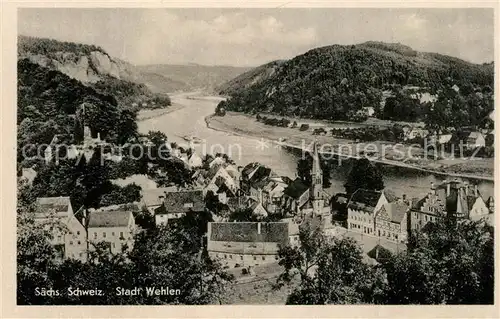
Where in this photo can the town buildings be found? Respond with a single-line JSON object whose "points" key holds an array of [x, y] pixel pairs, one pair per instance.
{"points": [[69, 236], [177, 204], [115, 228], [450, 198], [152, 198], [246, 243]]}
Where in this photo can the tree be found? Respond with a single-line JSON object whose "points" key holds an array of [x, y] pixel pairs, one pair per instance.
{"points": [[34, 258], [157, 137], [323, 271], [242, 215], [449, 262], [365, 175], [116, 195], [304, 167]]}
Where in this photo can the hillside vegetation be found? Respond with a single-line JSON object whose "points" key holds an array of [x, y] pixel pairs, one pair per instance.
{"points": [[339, 82], [193, 76], [95, 68]]}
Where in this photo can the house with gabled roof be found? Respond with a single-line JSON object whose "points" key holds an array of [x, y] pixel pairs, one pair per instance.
{"points": [[69, 237], [391, 221], [361, 209], [195, 160], [177, 204], [115, 228], [246, 243], [152, 198], [449, 198]]}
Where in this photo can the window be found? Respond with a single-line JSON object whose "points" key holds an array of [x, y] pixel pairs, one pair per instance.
{"points": [[103, 234], [112, 233], [276, 257], [95, 235], [79, 242], [78, 233], [263, 257], [71, 242], [59, 237], [254, 257], [230, 256], [425, 217], [81, 255], [241, 257], [113, 244], [225, 256], [121, 234]]}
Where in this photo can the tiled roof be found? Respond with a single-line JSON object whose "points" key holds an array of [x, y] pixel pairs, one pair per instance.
{"points": [[389, 195], [239, 202], [364, 199], [47, 205], [249, 169], [397, 211], [248, 232], [260, 184], [151, 197], [118, 218], [182, 202], [296, 188]]}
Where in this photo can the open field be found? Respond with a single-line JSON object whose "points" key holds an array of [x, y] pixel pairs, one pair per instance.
{"points": [[379, 151]]}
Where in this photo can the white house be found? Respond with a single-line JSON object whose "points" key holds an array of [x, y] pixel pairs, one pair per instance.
{"points": [[69, 237], [195, 160], [115, 228], [362, 207]]}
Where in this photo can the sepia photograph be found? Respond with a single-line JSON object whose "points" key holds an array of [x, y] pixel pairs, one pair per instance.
{"points": [[255, 156]]}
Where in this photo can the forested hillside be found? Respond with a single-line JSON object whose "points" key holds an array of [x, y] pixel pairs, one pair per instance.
{"points": [[338, 82], [194, 76], [249, 78], [48, 101], [95, 68]]}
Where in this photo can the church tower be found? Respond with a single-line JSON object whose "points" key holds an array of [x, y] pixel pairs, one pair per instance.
{"points": [[316, 189]]}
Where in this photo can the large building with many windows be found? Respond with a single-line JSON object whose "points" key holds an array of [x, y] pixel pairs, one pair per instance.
{"points": [[114, 228], [246, 243]]}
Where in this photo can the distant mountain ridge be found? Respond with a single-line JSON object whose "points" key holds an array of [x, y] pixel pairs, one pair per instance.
{"points": [[195, 76], [336, 82]]}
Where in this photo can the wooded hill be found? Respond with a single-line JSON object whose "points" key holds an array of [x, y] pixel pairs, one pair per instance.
{"points": [[336, 82]]}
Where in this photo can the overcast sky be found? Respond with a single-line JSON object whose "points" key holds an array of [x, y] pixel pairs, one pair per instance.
{"points": [[250, 37]]}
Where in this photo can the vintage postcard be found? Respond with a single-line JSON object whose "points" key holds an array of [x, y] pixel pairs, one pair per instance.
{"points": [[280, 155]]}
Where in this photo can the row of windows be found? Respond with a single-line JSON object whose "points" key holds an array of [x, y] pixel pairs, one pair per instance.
{"points": [[363, 219], [389, 235], [225, 256], [104, 234]]}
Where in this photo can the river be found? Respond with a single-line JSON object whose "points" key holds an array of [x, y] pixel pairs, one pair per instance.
{"points": [[190, 120]]}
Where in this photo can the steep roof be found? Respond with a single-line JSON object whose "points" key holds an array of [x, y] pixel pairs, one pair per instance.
{"points": [[397, 211], [48, 205], [364, 199], [117, 218], [296, 188], [389, 195], [248, 232], [182, 202], [151, 197]]}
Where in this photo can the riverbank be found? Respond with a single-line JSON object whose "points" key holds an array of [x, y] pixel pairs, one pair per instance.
{"points": [[152, 113], [245, 125]]}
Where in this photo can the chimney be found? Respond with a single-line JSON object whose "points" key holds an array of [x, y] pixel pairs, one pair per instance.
{"points": [[476, 191], [433, 188], [448, 189], [98, 136], [258, 228]]}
